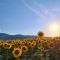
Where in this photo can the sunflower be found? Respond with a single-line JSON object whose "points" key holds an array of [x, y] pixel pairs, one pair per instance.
{"points": [[24, 48], [6, 45], [23, 42], [9, 41], [38, 42], [2, 42], [51, 45], [13, 41], [17, 52], [28, 43], [40, 34], [44, 42], [33, 43]]}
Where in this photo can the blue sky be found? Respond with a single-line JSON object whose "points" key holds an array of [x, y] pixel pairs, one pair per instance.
{"points": [[27, 17]]}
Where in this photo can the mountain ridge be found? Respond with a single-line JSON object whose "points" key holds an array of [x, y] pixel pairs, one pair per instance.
{"points": [[4, 36]]}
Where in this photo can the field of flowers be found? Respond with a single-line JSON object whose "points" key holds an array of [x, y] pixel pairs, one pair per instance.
{"points": [[38, 48]]}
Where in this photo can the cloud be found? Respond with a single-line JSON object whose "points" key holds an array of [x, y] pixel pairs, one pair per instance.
{"points": [[39, 9], [42, 11], [38, 13]]}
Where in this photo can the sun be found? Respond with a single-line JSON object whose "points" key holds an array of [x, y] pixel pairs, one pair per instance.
{"points": [[54, 30], [54, 27]]}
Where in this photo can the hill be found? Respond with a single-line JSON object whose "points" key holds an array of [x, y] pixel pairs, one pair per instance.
{"points": [[4, 36]]}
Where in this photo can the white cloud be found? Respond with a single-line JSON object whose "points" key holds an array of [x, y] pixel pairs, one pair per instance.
{"points": [[42, 11], [38, 13]]}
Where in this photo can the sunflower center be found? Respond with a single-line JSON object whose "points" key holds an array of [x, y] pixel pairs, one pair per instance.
{"points": [[51, 45], [24, 48], [5, 45], [16, 52], [8, 45]]}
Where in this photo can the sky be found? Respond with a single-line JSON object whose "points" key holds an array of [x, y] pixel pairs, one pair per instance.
{"points": [[27, 17]]}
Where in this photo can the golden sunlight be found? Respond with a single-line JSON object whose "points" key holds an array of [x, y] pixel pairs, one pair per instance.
{"points": [[54, 30]]}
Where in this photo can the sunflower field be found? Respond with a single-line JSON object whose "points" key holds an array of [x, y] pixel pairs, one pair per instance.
{"points": [[38, 48]]}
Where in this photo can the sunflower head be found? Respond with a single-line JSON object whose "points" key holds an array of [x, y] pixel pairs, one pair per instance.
{"points": [[17, 52], [6, 45], [51, 45], [40, 34], [24, 48], [33, 43]]}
